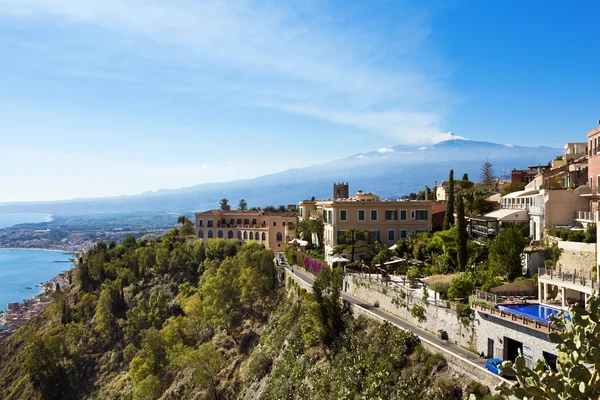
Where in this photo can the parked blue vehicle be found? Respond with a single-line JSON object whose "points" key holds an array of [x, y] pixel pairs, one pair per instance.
{"points": [[493, 365]]}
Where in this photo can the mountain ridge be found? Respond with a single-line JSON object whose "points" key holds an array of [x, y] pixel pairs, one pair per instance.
{"points": [[390, 172]]}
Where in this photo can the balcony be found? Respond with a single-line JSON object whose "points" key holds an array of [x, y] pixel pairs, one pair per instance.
{"points": [[589, 192], [586, 216], [575, 279], [536, 210]]}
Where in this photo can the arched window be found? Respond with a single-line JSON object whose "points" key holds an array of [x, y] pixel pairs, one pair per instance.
{"points": [[279, 237], [220, 234], [251, 235], [257, 235], [264, 236], [230, 235], [201, 234], [210, 234], [245, 235], [240, 235]]}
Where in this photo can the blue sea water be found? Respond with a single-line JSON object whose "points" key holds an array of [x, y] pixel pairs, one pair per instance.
{"points": [[22, 272], [7, 220]]}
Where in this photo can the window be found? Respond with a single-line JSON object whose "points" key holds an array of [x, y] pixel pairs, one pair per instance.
{"points": [[391, 215], [239, 221], [373, 215], [403, 234], [254, 221], [324, 215], [257, 236], [246, 221], [421, 215], [200, 222], [342, 215], [375, 236], [361, 215], [210, 234], [240, 235], [301, 209], [340, 238], [201, 234], [403, 215], [230, 235], [251, 235], [412, 214], [274, 223], [283, 223], [220, 234], [245, 235], [232, 221], [330, 216], [264, 236], [279, 237], [209, 223], [391, 235]]}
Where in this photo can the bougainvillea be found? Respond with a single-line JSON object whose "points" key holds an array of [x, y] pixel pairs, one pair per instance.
{"points": [[311, 264]]}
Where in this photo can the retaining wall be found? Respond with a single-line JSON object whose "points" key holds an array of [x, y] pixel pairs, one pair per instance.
{"points": [[398, 302]]}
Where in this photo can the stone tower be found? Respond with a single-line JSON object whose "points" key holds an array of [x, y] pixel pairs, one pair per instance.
{"points": [[340, 191]]}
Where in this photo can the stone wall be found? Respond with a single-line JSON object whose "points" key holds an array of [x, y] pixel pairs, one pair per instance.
{"points": [[577, 256], [437, 314], [498, 329]]}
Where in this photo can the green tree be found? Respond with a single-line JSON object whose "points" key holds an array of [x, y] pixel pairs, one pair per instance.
{"points": [[44, 369], [461, 287], [449, 217], [327, 291], [506, 250], [304, 230], [462, 237], [206, 362], [487, 176], [242, 205], [104, 318], [317, 227], [129, 242], [577, 364], [224, 202]]}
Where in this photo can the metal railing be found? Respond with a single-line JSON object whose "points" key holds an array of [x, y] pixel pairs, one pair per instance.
{"points": [[574, 277], [485, 296]]}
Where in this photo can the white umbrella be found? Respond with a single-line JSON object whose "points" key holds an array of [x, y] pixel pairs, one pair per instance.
{"points": [[339, 259], [394, 247]]}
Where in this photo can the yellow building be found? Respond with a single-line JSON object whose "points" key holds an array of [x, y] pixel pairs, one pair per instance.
{"points": [[388, 220], [271, 230]]}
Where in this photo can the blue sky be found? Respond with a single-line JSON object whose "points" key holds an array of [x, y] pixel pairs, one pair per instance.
{"points": [[113, 97]]}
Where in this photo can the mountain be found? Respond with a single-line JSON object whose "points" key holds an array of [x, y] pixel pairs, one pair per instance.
{"points": [[389, 172]]}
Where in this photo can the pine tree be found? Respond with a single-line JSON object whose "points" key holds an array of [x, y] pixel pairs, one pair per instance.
{"points": [[242, 205], [461, 227], [449, 218], [487, 174]]}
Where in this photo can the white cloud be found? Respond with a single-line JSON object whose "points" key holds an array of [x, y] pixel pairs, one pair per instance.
{"points": [[385, 150], [509, 145], [422, 148], [360, 156], [447, 136], [263, 55]]}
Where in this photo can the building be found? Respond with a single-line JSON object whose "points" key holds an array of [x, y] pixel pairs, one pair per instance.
{"points": [[271, 230], [387, 220], [526, 175]]}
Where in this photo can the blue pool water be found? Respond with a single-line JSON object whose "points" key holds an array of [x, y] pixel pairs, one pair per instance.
{"points": [[536, 312]]}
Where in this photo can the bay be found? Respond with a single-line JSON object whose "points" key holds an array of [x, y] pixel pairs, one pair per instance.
{"points": [[7, 220], [22, 272]]}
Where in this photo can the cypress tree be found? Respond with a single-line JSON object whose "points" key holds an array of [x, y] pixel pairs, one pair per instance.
{"points": [[449, 218], [461, 227]]}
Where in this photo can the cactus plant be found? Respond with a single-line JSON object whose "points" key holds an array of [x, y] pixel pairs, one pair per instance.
{"points": [[577, 374]]}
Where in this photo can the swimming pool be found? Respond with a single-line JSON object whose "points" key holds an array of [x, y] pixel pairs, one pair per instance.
{"points": [[536, 312]]}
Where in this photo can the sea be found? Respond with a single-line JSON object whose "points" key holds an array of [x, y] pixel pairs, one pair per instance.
{"points": [[23, 271]]}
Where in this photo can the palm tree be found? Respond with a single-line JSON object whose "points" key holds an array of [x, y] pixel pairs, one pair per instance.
{"points": [[304, 230], [317, 227], [223, 202]]}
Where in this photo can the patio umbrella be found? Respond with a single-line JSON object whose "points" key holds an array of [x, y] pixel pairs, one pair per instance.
{"points": [[394, 247], [339, 259]]}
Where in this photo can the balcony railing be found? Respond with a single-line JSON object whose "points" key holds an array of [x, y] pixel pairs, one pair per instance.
{"points": [[574, 277], [538, 210], [586, 216], [588, 191]]}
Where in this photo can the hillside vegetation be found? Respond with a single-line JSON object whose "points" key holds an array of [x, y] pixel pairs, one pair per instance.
{"points": [[170, 320]]}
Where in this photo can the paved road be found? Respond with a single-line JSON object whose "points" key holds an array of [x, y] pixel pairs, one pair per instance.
{"points": [[402, 324]]}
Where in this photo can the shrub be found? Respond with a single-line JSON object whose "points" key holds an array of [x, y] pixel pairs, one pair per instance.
{"points": [[418, 312], [260, 365], [461, 287]]}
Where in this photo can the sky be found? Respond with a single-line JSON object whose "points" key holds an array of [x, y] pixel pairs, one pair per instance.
{"points": [[113, 97]]}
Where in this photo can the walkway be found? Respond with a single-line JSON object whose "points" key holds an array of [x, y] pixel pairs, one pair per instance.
{"points": [[443, 345]]}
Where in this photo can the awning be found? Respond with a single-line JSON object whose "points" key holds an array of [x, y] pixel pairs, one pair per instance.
{"points": [[506, 214]]}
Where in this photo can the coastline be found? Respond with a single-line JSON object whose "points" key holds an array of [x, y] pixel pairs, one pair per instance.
{"points": [[38, 249]]}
